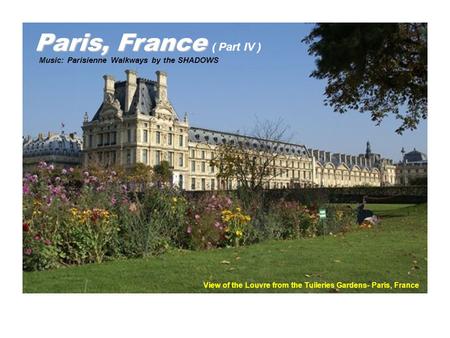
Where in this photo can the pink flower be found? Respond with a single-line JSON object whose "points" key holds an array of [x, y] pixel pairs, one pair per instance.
{"points": [[217, 224], [64, 171], [37, 237], [189, 229], [51, 167], [28, 251], [26, 189], [113, 200], [197, 217], [86, 174], [47, 242], [71, 169]]}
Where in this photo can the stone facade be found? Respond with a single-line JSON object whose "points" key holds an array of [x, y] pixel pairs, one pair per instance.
{"points": [[136, 123], [413, 166]]}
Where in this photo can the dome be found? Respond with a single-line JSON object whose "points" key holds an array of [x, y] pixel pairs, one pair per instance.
{"points": [[415, 156], [53, 144]]}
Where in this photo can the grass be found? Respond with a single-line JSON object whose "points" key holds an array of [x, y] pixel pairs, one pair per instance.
{"points": [[394, 251]]}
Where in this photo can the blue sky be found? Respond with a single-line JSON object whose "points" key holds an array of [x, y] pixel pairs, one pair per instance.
{"points": [[227, 96]]}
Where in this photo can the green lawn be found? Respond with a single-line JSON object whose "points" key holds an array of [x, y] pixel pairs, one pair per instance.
{"points": [[395, 251]]}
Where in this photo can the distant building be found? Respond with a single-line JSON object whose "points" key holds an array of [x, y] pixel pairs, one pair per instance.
{"points": [[412, 168], [58, 149]]}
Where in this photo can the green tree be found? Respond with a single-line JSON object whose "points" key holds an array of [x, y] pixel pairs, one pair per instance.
{"points": [[377, 68], [162, 172]]}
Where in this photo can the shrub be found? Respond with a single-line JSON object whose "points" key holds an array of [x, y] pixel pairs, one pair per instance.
{"points": [[206, 227], [153, 222]]}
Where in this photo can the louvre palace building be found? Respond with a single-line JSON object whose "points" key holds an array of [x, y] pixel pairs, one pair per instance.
{"points": [[136, 123]]}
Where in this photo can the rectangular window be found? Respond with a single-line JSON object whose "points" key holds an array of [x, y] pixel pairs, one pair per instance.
{"points": [[203, 184], [193, 166], [158, 137], [145, 136], [170, 159], [107, 139], [213, 184], [157, 157], [113, 137], [203, 155], [180, 160], [169, 140], [128, 156], [180, 140], [90, 141], [203, 167], [100, 139], [129, 135], [192, 153], [193, 183], [145, 156], [212, 168]]}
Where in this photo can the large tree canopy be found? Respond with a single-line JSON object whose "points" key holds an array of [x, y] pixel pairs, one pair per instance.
{"points": [[377, 68]]}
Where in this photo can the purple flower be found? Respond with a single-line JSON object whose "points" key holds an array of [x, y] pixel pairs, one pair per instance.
{"points": [[42, 165], [113, 200], [26, 189]]}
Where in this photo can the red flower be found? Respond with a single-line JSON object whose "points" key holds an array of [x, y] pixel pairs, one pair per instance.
{"points": [[26, 227], [28, 251]]}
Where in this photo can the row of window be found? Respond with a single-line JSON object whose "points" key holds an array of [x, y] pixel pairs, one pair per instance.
{"points": [[202, 167], [211, 186], [158, 157]]}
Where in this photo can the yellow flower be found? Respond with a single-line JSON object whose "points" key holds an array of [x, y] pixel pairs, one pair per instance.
{"points": [[174, 200], [238, 233]]}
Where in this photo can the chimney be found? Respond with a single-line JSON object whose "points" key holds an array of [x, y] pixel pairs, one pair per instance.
{"points": [[109, 85], [130, 89], [40, 136], [161, 79], [315, 153], [328, 156]]}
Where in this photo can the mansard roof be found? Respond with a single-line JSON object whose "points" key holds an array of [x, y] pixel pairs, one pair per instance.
{"points": [[214, 137], [144, 100], [53, 144], [415, 156]]}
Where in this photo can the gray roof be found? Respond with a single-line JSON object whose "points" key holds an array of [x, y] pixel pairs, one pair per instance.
{"points": [[215, 137], [53, 144], [415, 156], [144, 99]]}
